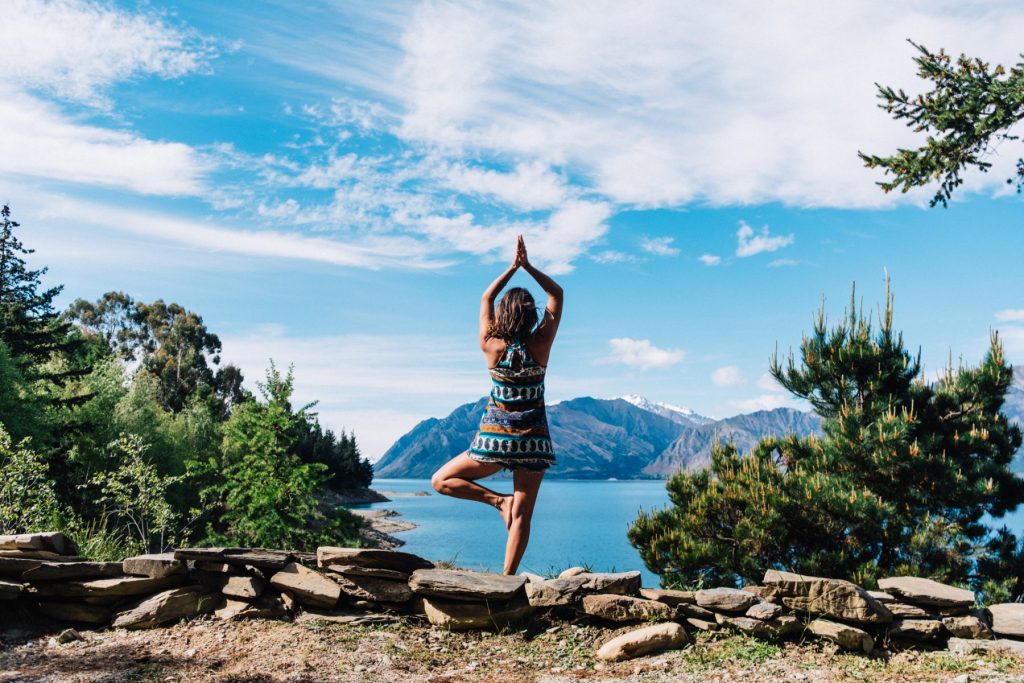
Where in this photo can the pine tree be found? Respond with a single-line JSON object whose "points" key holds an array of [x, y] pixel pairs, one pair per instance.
{"points": [[900, 480]]}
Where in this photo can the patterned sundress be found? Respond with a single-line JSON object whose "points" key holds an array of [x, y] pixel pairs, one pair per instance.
{"points": [[514, 427]]}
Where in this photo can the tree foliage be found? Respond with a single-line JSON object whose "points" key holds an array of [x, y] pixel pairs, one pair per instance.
{"points": [[968, 112], [900, 480], [28, 500]]}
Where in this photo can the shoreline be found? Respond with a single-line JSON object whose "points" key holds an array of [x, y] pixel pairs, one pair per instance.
{"points": [[382, 527]]}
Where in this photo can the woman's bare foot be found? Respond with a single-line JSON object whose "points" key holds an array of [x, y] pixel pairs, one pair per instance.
{"points": [[505, 508]]}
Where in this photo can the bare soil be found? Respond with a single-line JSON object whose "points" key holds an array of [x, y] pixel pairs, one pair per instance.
{"points": [[206, 649]]}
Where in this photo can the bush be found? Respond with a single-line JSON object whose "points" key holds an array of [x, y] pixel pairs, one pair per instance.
{"points": [[28, 501], [899, 483]]}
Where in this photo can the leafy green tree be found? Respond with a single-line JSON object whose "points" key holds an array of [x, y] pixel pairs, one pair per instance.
{"points": [[262, 493], [23, 404], [28, 501], [900, 481], [346, 468], [968, 112]]}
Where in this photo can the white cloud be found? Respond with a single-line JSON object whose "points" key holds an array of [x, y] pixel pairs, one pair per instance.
{"points": [[1010, 315], [659, 246], [727, 376], [710, 259], [641, 354], [750, 244], [77, 49], [767, 383], [1013, 341], [612, 256], [762, 402], [529, 187]]}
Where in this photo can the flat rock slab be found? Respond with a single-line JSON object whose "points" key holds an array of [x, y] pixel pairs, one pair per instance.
{"points": [[262, 558], [14, 567], [374, 588], [50, 541], [76, 611], [327, 556], [667, 596], [10, 590], [1008, 619], [725, 599], [826, 597], [244, 587], [459, 615], [308, 586], [237, 610], [845, 636], [643, 641], [376, 572], [915, 629], [927, 592], [215, 567], [154, 566], [625, 608], [968, 626], [346, 617], [904, 610], [41, 555], [694, 612], [58, 571], [122, 586], [765, 611], [778, 627], [457, 584], [966, 646], [617, 583], [167, 606], [555, 592]]}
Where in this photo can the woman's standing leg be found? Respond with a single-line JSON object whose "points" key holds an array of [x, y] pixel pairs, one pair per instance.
{"points": [[456, 478], [526, 484]]}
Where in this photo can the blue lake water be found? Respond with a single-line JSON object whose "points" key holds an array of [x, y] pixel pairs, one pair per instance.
{"points": [[575, 523]]}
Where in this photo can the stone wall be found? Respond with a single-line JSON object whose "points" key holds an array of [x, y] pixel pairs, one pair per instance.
{"points": [[44, 573]]}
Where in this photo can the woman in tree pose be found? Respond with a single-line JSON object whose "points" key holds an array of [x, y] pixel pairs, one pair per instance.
{"points": [[514, 428]]}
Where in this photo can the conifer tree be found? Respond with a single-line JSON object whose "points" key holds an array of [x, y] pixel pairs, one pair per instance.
{"points": [[899, 481]]}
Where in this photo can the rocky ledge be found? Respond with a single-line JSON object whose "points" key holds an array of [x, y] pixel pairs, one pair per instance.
{"points": [[44, 574]]}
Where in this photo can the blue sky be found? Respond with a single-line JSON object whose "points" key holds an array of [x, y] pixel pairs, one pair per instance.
{"points": [[333, 185]]}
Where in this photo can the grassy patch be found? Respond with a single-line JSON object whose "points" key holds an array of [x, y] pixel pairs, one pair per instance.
{"points": [[710, 651]]}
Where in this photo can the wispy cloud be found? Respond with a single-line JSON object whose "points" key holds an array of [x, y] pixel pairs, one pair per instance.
{"points": [[727, 376], [641, 354], [659, 246], [751, 244], [782, 263], [710, 259], [1010, 315]]}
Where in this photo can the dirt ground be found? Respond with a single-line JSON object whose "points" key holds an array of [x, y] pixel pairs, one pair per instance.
{"points": [[206, 649]]}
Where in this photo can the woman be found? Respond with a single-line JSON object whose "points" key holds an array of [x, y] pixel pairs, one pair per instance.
{"points": [[514, 429]]}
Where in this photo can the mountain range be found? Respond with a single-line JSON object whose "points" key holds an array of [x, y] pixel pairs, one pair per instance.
{"points": [[594, 438]]}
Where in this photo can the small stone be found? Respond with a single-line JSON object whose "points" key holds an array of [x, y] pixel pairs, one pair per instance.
{"points": [[667, 596], [845, 636], [625, 608], [1008, 619], [618, 583], [903, 610], [643, 641], [308, 587], [927, 592], [572, 571], [69, 635], [244, 587], [694, 612], [915, 629], [327, 556], [702, 624], [725, 599], [765, 611], [289, 601], [968, 626], [154, 566]]}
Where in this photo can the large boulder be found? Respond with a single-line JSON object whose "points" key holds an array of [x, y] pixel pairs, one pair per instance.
{"points": [[643, 641], [725, 599], [309, 587], [48, 541], [845, 636], [969, 626], [458, 584], [625, 608], [61, 571], [154, 566], [825, 597], [927, 592], [169, 605], [460, 615], [1008, 619], [327, 556]]}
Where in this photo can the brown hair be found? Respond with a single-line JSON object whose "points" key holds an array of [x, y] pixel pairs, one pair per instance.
{"points": [[515, 316]]}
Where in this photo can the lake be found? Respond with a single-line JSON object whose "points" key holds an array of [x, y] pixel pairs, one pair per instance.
{"points": [[575, 523]]}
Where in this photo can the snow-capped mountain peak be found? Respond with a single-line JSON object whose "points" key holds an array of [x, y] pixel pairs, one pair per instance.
{"points": [[672, 412]]}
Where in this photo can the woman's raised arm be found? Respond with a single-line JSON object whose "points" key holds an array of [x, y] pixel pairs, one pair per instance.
{"points": [[487, 300], [553, 310]]}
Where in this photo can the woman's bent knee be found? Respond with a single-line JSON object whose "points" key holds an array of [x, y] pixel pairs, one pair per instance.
{"points": [[438, 482]]}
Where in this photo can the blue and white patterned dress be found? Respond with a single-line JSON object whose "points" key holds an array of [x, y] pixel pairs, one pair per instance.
{"points": [[514, 427]]}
